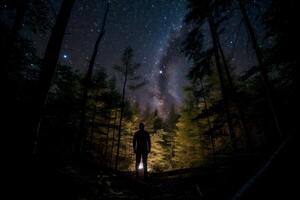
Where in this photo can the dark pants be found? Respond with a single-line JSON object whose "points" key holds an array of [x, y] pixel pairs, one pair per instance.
{"points": [[144, 156]]}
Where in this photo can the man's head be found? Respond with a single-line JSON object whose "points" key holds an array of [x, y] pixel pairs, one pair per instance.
{"points": [[141, 126]]}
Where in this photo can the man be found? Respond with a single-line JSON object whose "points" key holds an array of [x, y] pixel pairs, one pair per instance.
{"points": [[141, 148]]}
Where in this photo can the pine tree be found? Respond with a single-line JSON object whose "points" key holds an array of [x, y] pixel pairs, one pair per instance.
{"points": [[188, 136], [262, 66], [87, 80], [201, 12], [49, 65], [128, 70]]}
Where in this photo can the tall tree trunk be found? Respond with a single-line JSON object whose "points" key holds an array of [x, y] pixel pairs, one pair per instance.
{"points": [[49, 65], [87, 82], [107, 139], [234, 96], [222, 82], [113, 138], [93, 127], [121, 117], [262, 66], [209, 123]]}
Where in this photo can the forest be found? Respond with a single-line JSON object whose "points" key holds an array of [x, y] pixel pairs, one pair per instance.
{"points": [[213, 81]]}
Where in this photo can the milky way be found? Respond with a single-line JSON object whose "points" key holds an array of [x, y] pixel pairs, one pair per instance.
{"points": [[168, 84], [145, 25], [153, 28]]}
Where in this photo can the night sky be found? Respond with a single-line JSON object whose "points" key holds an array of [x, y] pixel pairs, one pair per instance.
{"points": [[155, 30]]}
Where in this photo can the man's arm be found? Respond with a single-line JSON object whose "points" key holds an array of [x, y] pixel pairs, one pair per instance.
{"points": [[134, 143]]}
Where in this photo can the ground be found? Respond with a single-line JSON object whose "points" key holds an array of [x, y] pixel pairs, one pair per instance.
{"points": [[88, 181]]}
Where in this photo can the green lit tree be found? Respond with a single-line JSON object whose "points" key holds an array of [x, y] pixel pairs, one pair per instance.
{"points": [[128, 71]]}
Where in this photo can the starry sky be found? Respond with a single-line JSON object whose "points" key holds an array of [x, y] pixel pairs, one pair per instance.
{"points": [[155, 30], [148, 27]]}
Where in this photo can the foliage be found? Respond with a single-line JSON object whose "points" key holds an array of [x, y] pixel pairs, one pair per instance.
{"points": [[188, 136]]}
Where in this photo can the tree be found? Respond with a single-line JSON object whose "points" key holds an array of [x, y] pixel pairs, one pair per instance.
{"points": [[96, 112], [200, 12], [87, 80], [200, 90], [279, 20], [188, 136], [161, 155], [128, 71], [49, 65], [172, 119], [262, 66], [60, 117], [33, 13]]}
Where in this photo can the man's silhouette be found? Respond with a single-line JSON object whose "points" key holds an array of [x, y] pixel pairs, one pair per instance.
{"points": [[141, 148]]}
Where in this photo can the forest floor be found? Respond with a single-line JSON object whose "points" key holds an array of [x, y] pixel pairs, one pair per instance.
{"points": [[88, 182]]}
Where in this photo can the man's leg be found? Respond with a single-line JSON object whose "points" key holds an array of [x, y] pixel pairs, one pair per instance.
{"points": [[145, 157], [137, 162]]}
